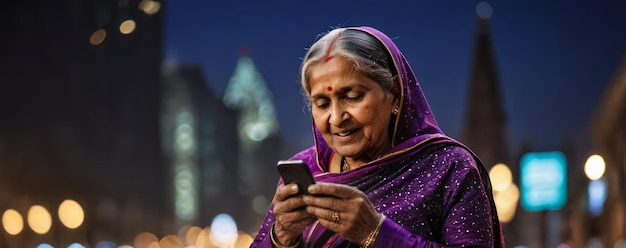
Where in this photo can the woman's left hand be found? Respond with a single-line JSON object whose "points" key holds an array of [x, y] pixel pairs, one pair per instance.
{"points": [[342, 209]]}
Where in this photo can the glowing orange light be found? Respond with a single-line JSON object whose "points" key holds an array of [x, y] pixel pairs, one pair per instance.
{"points": [[149, 7], [71, 214], [39, 219], [127, 27], [191, 236], [170, 241], [204, 238], [501, 177], [145, 239], [98, 37], [506, 203], [244, 240], [12, 222]]}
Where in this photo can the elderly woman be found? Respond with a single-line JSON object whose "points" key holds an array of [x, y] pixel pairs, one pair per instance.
{"points": [[386, 174]]}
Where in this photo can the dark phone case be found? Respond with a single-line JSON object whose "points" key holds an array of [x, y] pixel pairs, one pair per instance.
{"points": [[296, 171]]}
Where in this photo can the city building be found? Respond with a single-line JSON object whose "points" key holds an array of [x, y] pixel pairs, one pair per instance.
{"points": [[80, 96]]}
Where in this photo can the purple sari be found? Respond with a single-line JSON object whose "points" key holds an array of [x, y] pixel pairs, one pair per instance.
{"points": [[433, 190]]}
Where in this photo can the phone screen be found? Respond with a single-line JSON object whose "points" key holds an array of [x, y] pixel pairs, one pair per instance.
{"points": [[296, 171]]}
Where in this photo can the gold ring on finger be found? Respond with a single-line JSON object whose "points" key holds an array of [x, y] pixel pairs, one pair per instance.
{"points": [[335, 217]]}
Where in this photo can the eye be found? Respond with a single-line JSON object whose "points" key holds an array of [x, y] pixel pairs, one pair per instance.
{"points": [[354, 96], [321, 103]]}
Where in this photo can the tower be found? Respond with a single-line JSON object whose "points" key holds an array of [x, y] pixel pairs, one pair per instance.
{"points": [[259, 142], [484, 128]]}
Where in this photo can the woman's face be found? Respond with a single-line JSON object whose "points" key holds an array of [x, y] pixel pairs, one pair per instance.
{"points": [[351, 111]]}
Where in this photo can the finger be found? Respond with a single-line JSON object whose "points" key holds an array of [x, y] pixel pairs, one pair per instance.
{"points": [[326, 215], [326, 219], [291, 204], [332, 189], [298, 218], [293, 223], [288, 218], [286, 191], [330, 203]]}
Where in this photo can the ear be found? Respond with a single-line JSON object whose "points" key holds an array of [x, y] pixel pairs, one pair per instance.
{"points": [[396, 90]]}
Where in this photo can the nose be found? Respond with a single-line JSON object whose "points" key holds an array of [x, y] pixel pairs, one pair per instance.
{"points": [[337, 114]]}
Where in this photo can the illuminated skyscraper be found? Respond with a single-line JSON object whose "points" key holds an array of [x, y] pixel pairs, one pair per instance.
{"points": [[200, 143], [260, 145]]}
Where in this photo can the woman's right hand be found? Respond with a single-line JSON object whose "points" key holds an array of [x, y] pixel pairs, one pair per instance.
{"points": [[290, 213]]}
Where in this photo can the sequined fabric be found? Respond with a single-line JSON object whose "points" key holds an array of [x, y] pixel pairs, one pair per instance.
{"points": [[433, 189]]}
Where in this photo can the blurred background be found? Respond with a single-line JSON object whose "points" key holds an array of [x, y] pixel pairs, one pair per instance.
{"points": [[153, 123]]}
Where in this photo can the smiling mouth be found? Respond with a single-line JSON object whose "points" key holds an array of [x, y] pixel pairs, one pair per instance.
{"points": [[345, 133]]}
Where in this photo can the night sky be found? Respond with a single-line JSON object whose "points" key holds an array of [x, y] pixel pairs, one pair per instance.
{"points": [[554, 58]]}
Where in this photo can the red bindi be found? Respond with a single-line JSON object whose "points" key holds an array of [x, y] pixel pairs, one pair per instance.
{"points": [[329, 88]]}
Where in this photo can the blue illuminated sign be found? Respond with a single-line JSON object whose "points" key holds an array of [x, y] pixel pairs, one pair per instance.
{"points": [[543, 183]]}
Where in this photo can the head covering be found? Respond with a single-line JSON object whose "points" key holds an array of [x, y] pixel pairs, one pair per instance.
{"points": [[415, 121]]}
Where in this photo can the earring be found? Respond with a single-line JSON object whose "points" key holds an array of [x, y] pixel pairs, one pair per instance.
{"points": [[396, 110]]}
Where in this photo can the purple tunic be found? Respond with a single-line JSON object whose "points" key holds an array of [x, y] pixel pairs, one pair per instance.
{"points": [[432, 189]]}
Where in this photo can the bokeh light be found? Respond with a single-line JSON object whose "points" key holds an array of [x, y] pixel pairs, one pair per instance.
{"points": [[127, 27], [501, 177], [71, 214], [190, 235], [597, 196], [75, 245], [223, 230], [244, 240], [39, 219], [484, 10], [44, 245], [259, 204], [204, 238], [506, 203], [12, 222], [505, 193], [594, 167], [145, 240], [107, 244], [98, 37], [149, 7], [171, 241]]}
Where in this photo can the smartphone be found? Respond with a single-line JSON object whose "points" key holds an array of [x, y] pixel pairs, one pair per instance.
{"points": [[296, 171]]}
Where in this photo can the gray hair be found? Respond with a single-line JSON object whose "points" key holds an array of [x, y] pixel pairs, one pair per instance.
{"points": [[365, 51]]}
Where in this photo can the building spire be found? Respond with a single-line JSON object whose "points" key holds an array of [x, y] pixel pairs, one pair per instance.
{"points": [[484, 128], [247, 93]]}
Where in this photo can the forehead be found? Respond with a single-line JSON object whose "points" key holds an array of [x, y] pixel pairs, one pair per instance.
{"points": [[331, 70]]}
